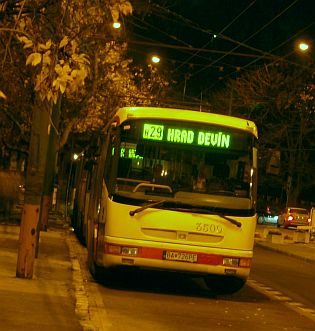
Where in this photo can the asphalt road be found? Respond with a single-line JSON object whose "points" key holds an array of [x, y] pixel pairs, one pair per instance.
{"points": [[169, 302], [292, 277]]}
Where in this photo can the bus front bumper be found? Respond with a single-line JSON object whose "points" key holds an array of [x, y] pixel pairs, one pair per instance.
{"points": [[175, 257]]}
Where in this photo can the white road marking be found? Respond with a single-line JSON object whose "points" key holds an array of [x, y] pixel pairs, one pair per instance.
{"points": [[278, 296]]}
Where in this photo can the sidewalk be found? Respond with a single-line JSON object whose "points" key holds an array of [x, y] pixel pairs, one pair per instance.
{"points": [[288, 247], [46, 302]]}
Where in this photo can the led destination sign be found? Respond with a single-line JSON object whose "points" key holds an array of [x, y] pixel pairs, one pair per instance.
{"points": [[186, 136]]}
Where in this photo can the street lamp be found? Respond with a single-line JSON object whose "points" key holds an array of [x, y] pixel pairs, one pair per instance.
{"points": [[303, 46], [304, 50], [155, 59], [116, 25]]}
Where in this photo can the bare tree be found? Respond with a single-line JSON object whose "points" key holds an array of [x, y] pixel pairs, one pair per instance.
{"points": [[280, 99]]}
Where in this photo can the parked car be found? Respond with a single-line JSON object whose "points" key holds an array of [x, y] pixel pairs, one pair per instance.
{"points": [[267, 216], [292, 216]]}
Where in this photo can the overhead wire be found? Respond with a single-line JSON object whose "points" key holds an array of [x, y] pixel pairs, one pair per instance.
{"points": [[176, 60], [252, 35], [269, 56], [211, 32], [272, 50], [182, 49], [177, 47], [188, 49], [283, 43], [276, 58], [225, 28], [152, 42], [172, 37], [195, 26]]}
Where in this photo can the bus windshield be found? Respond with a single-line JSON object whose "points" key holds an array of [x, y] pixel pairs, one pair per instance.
{"points": [[186, 164]]}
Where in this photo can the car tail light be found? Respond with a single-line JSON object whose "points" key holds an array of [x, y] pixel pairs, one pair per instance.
{"points": [[290, 218], [309, 220]]}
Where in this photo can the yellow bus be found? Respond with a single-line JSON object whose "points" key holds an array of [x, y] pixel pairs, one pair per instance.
{"points": [[175, 190]]}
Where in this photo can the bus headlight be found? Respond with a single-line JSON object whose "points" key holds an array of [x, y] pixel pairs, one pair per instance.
{"points": [[231, 261], [237, 262], [129, 251], [121, 250]]}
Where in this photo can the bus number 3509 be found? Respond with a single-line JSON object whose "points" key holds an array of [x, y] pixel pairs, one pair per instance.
{"points": [[208, 228]]}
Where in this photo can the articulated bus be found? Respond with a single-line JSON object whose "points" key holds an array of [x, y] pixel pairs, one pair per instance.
{"points": [[174, 190]]}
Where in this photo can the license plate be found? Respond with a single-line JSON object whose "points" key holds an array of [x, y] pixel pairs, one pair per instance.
{"points": [[180, 256]]}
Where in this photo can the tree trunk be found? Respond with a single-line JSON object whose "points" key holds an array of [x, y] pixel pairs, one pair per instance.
{"points": [[44, 214], [33, 190], [27, 241], [50, 169]]}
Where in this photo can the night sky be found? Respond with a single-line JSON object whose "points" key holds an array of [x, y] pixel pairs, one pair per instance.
{"points": [[210, 41]]}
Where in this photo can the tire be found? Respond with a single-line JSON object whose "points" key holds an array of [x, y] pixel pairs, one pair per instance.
{"points": [[100, 274], [96, 271], [224, 284]]}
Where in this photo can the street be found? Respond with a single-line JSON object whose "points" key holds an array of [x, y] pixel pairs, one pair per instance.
{"points": [[292, 277], [278, 296]]}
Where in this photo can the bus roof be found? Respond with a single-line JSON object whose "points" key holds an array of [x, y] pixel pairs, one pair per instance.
{"points": [[186, 115]]}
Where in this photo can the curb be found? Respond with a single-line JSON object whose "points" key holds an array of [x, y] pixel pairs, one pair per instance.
{"points": [[82, 303], [89, 306], [279, 250]]}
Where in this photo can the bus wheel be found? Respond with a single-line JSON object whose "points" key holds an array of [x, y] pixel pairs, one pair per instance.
{"points": [[97, 272], [224, 284]]}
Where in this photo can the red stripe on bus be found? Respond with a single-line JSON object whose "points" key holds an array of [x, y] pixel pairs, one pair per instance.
{"points": [[157, 254]]}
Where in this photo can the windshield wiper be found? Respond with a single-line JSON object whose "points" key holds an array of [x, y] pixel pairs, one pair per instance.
{"points": [[237, 223], [201, 210], [150, 205]]}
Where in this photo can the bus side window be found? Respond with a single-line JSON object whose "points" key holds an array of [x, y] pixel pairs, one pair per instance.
{"points": [[109, 156]]}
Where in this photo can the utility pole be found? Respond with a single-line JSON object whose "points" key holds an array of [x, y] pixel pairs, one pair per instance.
{"points": [[33, 189]]}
